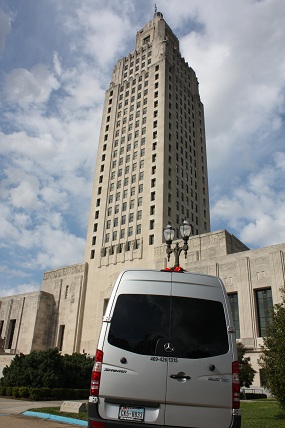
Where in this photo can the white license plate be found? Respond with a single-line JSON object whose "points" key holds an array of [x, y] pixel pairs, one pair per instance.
{"points": [[128, 413]]}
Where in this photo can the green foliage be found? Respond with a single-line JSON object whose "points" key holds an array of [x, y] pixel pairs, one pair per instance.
{"points": [[37, 369], [246, 371], [272, 355], [23, 392], [261, 414], [77, 369], [48, 369]]}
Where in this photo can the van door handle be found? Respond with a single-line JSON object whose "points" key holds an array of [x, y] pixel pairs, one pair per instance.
{"points": [[180, 376]]}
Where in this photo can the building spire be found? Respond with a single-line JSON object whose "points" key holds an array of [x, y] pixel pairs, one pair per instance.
{"points": [[156, 13]]}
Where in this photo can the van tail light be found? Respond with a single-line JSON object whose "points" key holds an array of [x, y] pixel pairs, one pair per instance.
{"points": [[236, 386], [96, 424], [96, 374]]}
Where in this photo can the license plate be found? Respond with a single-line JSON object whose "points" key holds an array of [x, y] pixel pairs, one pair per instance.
{"points": [[128, 413]]}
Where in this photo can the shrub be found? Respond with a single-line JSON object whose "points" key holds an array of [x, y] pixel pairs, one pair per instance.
{"points": [[35, 394], [15, 392], [58, 393], [24, 392], [48, 369], [9, 391], [3, 390]]}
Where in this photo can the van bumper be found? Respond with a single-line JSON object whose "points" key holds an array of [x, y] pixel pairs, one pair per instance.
{"points": [[93, 417]]}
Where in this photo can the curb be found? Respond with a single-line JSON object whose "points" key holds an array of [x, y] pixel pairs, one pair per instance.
{"points": [[56, 418]]}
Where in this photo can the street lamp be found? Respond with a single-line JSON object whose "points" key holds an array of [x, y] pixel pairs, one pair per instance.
{"points": [[185, 232]]}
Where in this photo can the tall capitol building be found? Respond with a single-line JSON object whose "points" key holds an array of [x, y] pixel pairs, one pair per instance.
{"points": [[151, 170], [151, 167]]}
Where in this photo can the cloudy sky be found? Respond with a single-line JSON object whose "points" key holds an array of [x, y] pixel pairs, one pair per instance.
{"points": [[56, 61]]}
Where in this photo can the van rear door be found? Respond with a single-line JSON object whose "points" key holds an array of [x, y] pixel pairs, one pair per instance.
{"points": [[133, 378], [199, 380]]}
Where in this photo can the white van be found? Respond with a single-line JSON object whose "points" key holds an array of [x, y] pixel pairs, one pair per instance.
{"points": [[166, 354]]}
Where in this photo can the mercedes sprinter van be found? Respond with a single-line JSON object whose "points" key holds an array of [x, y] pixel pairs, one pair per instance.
{"points": [[166, 354]]}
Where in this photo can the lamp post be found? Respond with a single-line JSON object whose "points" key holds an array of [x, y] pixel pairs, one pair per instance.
{"points": [[185, 232]]}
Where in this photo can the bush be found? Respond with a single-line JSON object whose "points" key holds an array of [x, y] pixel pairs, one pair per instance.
{"points": [[252, 396], [15, 392], [36, 394], [48, 369], [58, 393], [24, 392], [9, 391], [272, 354], [2, 391]]}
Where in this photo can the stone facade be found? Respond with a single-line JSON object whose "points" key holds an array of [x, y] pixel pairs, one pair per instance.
{"points": [[151, 170], [44, 319], [54, 315]]}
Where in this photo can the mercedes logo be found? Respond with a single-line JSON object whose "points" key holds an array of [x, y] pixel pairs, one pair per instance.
{"points": [[168, 347]]}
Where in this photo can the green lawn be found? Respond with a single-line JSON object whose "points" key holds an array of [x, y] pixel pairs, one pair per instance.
{"points": [[262, 414], [255, 414], [56, 411]]}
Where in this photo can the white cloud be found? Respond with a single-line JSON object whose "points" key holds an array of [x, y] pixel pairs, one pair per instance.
{"points": [[52, 111], [24, 87], [5, 28], [255, 209], [19, 289]]}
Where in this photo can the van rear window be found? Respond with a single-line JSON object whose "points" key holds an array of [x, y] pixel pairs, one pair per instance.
{"points": [[144, 323]]}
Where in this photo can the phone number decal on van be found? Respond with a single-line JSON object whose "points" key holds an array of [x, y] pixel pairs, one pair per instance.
{"points": [[165, 359]]}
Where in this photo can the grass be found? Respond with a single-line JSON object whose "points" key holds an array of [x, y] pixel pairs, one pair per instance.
{"points": [[262, 414], [56, 411], [255, 414]]}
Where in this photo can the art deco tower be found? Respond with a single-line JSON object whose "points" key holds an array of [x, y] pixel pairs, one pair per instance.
{"points": [[151, 166]]}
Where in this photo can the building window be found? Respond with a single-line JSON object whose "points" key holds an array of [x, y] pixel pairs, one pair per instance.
{"points": [[233, 298], [151, 239], [107, 237], [140, 188], [66, 292], [130, 231], [146, 40], [60, 337], [140, 200], [151, 224], [139, 215], [11, 332], [131, 217], [92, 254], [139, 229], [264, 306], [152, 210]]}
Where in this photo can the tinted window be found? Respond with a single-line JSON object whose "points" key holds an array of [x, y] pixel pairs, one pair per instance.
{"points": [[139, 321], [141, 324], [198, 328]]}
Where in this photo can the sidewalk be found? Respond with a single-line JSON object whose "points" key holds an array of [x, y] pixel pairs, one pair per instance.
{"points": [[9, 406], [14, 406]]}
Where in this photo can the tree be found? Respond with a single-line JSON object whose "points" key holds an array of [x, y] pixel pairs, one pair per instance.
{"points": [[49, 369], [272, 355], [246, 371], [77, 370], [37, 369]]}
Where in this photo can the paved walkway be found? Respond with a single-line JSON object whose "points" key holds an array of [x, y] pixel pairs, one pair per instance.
{"points": [[9, 406], [13, 406]]}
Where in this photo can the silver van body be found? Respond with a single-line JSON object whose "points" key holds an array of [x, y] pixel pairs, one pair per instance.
{"points": [[165, 354]]}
